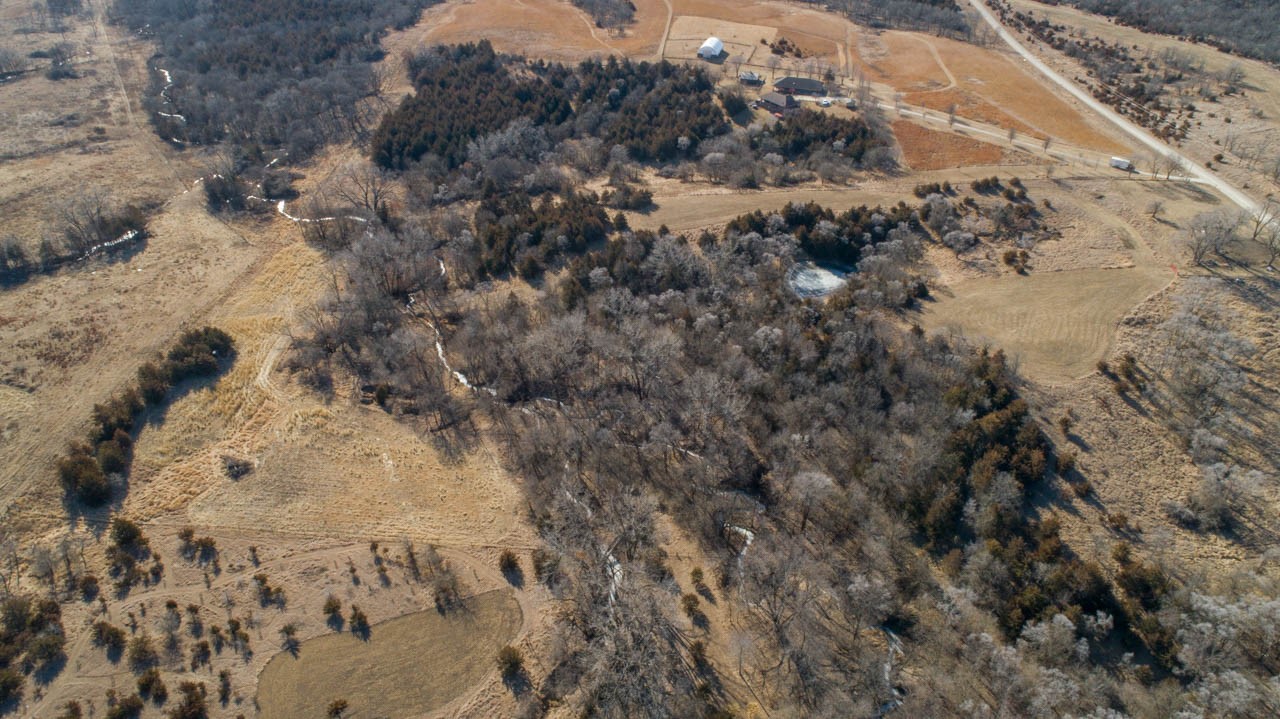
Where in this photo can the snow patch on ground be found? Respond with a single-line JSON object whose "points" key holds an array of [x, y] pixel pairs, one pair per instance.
{"points": [[126, 237]]}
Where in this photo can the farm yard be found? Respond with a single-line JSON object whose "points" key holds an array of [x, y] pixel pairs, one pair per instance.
{"points": [[306, 541]]}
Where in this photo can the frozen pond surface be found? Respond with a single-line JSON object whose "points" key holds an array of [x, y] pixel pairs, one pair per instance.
{"points": [[808, 279]]}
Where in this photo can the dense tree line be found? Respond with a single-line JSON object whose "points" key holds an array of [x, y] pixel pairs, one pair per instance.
{"points": [[798, 134], [1245, 28], [655, 110], [939, 16], [462, 93], [275, 73], [514, 233], [88, 466], [609, 14]]}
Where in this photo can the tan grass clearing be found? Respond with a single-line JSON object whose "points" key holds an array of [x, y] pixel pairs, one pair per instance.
{"points": [[409, 665], [1057, 325]]}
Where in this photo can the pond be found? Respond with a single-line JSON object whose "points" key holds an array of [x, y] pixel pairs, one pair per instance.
{"points": [[810, 279]]}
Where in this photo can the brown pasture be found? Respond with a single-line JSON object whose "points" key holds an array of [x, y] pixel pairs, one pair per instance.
{"points": [[925, 149]]}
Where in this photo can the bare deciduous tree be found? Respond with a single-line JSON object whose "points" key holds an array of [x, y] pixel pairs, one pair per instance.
{"points": [[1264, 218], [1211, 232], [365, 186], [83, 217]]}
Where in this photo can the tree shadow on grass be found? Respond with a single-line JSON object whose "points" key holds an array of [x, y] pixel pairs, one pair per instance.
{"points": [[514, 576], [50, 670], [517, 681]]}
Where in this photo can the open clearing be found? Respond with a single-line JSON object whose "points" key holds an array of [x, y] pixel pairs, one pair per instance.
{"points": [[388, 674], [1057, 324]]}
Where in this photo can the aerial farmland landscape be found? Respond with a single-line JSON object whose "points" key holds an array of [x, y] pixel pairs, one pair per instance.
{"points": [[639, 358]]}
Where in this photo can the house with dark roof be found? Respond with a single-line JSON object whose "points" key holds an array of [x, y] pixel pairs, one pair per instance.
{"points": [[800, 86], [778, 103]]}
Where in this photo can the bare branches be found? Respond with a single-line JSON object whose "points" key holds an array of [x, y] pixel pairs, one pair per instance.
{"points": [[365, 186], [1212, 232]]}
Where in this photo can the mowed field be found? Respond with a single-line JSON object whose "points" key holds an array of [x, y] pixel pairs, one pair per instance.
{"points": [[1057, 325], [408, 666]]}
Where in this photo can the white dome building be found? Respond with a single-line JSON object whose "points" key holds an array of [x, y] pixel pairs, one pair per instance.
{"points": [[711, 49]]}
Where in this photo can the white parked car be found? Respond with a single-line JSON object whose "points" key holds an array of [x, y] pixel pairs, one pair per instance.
{"points": [[825, 102]]}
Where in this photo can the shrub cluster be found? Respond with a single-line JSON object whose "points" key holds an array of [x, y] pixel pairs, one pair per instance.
{"points": [[829, 236], [986, 185], [933, 188], [31, 638]]}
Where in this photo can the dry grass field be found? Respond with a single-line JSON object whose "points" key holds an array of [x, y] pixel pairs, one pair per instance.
{"points": [[984, 84], [328, 478], [926, 149], [388, 674]]}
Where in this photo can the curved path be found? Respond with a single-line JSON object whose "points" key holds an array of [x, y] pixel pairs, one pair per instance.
{"points": [[1147, 139]]}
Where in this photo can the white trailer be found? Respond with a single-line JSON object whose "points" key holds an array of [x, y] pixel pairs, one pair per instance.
{"points": [[1121, 163]]}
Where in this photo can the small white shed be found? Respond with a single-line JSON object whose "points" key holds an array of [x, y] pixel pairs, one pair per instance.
{"points": [[711, 49]]}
